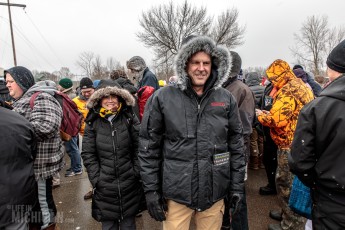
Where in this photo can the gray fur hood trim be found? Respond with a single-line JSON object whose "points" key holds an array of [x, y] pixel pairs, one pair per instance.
{"points": [[220, 57], [100, 93]]}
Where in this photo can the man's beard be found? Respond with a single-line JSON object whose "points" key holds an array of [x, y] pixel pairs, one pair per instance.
{"points": [[136, 76]]}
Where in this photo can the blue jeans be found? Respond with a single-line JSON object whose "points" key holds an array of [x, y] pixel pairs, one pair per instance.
{"points": [[74, 154]]}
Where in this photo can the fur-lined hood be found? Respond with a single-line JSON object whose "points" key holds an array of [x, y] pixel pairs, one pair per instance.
{"points": [[220, 56], [103, 92]]}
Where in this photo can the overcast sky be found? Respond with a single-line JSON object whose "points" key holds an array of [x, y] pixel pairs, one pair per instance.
{"points": [[50, 34]]}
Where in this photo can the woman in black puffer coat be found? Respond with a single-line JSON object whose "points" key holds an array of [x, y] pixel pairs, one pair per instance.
{"points": [[110, 148]]}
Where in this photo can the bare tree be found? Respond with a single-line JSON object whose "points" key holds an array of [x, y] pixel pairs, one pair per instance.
{"points": [[99, 71], [85, 62], [226, 30], [335, 36], [63, 72], [113, 64], [165, 26], [314, 42]]}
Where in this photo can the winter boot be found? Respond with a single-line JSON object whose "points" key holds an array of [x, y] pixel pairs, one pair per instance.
{"points": [[253, 162], [261, 163]]}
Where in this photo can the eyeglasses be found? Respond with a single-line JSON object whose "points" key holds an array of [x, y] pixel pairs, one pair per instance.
{"points": [[87, 91]]}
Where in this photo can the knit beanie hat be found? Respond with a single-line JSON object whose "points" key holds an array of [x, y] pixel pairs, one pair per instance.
{"points": [[136, 63], [66, 83], [95, 83], [86, 83], [236, 64], [22, 76], [336, 59], [300, 73], [297, 66]]}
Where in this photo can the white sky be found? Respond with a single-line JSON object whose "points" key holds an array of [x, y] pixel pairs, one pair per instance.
{"points": [[51, 34]]}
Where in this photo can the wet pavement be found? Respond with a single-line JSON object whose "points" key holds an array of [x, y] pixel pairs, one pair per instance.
{"points": [[74, 212]]}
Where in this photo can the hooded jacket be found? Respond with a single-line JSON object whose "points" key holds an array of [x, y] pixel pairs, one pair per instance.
{"points": [[253, 81], [182, 135], [45, 117], [110, 150], [318, 153], [291, 96]]}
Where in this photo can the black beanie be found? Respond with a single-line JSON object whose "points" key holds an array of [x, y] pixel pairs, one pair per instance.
{"points": [[22, 76], [297, 66], [336, 59], [86, 83], [236, 64]]}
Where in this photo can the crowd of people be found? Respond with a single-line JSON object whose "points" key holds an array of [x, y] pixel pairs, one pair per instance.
{"points": [[180, 149]]}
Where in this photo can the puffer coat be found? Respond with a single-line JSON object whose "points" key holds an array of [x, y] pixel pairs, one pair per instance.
{"points": [[109, 153]]}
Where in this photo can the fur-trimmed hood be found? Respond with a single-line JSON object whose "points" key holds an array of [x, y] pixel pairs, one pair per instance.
{"points": [[103, 92], [220, 56]]}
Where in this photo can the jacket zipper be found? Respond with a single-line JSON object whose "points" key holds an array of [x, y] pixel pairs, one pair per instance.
{"points": [[198, 121], [114, 135]]}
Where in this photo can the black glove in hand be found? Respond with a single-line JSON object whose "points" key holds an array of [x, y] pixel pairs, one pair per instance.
{"points": [[235, 200], [156, 206]]}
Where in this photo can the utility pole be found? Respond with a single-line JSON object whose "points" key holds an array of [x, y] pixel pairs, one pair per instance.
{"points": [[10, 19]]}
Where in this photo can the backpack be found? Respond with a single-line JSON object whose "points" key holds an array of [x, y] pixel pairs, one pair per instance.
{"points": [[71, 117]]}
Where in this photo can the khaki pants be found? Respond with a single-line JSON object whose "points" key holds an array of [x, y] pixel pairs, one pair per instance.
{"points": [[179, 216]]}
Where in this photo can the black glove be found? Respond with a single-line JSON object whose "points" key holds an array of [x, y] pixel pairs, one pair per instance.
{"points": [[156, 206], [235, 200], [5, 105]]}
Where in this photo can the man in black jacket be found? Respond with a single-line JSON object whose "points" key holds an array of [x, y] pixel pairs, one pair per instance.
{"points": [[246, 106], [17, 178], [318, 154], [4, 93], [191, 142]]}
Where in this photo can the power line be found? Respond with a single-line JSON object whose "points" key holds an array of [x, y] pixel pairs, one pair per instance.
{"points": [[35, 50], [9, 14], [21, 54], [45, 40]]}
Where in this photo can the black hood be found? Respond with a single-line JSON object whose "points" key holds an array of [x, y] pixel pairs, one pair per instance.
{"points": [[335, 89]]}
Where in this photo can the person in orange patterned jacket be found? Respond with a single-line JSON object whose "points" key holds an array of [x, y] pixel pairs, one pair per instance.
{"points": [[291, 95]]}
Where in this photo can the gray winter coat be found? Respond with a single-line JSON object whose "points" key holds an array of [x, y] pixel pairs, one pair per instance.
{"points": [[181, 135], [253, 81]]}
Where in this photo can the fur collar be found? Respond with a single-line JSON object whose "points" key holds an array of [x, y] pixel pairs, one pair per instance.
{"points": [[220, 56], [100, 93]]}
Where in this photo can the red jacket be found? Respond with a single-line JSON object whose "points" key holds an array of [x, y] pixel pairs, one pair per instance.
{"points": [[143, 94]]}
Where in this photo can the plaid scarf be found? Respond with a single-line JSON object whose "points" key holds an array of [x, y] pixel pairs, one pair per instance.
{"points": [[107, 113]]}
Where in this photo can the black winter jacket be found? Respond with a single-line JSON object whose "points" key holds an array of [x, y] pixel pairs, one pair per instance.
{"points": [[4, 93], [110, 156], [318, 153], [148, 79], [18, 190], [182, 133]]}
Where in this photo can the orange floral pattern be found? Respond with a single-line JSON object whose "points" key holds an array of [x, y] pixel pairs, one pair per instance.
{"points": [[292, 95]]}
